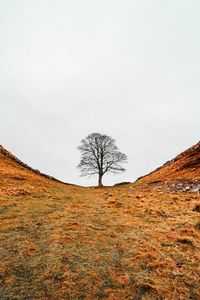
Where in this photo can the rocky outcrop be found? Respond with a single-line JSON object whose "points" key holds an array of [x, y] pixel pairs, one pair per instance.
{"points": [[179, 186]]}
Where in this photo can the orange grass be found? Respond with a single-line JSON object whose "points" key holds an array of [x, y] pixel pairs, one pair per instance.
{"points": [[68, 242]]}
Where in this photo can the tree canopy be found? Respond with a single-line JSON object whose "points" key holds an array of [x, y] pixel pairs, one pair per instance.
{"points": [[100, 155]]}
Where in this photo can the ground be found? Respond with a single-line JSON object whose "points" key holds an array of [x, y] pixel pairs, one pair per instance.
{"points": [[66, 242], [63, 242]]}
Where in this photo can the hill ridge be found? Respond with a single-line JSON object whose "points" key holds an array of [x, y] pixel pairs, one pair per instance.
{"points": [[181, 173], [9, 155], [169, 162]]}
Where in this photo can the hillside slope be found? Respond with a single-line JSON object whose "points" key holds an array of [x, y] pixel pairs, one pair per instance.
{"points": [[181, 173], [9, 163], [66, 242]]}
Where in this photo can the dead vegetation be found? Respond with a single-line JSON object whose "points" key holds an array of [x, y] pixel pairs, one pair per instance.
{"points": [[197, 208], [73, 243], [68, 242], [181, 174]]}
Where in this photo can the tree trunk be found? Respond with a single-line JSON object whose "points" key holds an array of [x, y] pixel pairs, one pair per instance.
{"points": [[100, 180]]}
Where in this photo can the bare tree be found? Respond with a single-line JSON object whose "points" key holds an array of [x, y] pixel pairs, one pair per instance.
{"points": [[100, 155]]}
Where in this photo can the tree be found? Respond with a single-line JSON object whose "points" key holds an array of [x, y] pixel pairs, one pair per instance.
{"points": [[100, 155]]}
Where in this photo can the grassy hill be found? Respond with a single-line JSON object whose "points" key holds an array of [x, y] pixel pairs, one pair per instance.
{"points": [[61, 241], [181, 174]]}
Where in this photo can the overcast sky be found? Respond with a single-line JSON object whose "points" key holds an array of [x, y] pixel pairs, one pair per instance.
{"points": [[129, 69]]}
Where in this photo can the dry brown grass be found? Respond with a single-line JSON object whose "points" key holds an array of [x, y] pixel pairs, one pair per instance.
{"points": [[185, 166], [67, 242]]}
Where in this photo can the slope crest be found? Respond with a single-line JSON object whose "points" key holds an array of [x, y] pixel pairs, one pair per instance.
{"points": [[182, 173], [6, 154]]}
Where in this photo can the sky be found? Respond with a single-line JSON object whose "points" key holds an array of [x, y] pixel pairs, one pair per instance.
{"points": [[126, 68]]}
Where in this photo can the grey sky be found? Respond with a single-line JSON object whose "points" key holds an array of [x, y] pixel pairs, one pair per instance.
{"points": [[129, 69]]}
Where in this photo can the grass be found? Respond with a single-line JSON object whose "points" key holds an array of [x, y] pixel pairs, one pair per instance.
{"points": [[67, 242], [74, 243]]}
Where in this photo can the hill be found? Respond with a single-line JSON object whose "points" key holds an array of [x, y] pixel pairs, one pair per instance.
{"points": [[181, 174], [61, 241], [11, 164]]}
